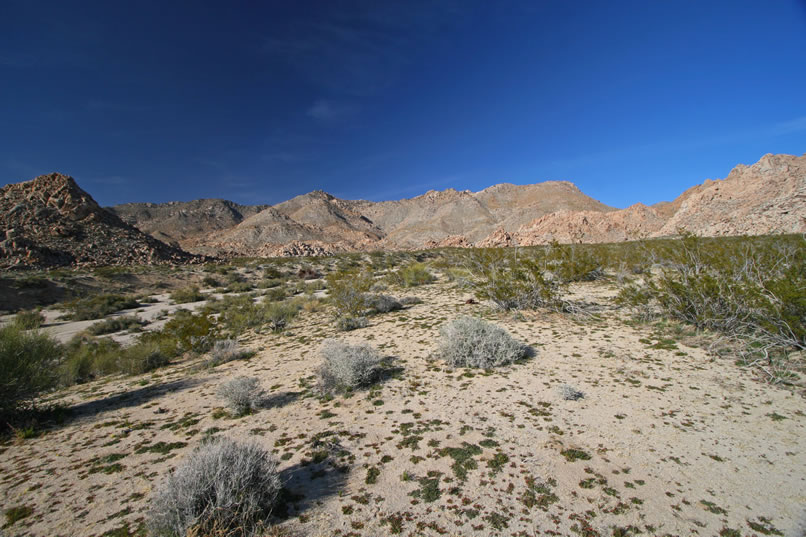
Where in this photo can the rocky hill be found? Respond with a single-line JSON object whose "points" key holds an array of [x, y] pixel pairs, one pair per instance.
{"points": [[321, 223], [767, 197], [49, 221], [175, 222]]}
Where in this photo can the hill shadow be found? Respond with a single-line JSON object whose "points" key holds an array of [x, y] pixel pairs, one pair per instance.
{"points": [[130, 398]]}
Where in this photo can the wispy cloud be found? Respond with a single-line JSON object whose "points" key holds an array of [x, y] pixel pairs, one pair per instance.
{"points": [[109, 180], [98, 105], [326, 110], [358, 48], [788, 127]]}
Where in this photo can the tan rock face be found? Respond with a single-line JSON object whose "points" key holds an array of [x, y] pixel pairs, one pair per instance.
{"points": [[767, 197], [49, 221]]}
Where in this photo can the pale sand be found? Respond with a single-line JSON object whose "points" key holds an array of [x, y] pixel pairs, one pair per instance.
{"points": [[665, 429]]}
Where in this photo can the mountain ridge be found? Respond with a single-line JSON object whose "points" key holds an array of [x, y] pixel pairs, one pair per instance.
{"points": [[768, 196]]}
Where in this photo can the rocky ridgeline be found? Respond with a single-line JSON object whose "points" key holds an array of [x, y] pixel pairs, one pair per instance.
{"points": [[49, 221]]}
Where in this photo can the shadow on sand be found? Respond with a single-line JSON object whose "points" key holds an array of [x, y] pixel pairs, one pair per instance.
{"points": [[130, 398]]}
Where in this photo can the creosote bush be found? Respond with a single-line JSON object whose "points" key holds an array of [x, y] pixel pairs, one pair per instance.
{"points": [[224, 485], [242, 394], [346, 367], [115, 324], [29, 320], [411, 275], [512, 282], [99, 306], [472, 342], [28, 362], [187, 294]]}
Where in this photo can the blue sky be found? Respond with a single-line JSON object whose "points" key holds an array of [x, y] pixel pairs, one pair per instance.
{"points": [[261, 101]]}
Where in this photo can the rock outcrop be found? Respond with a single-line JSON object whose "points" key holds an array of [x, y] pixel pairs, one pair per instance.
{"points": [[49, 221], [176, 222]]}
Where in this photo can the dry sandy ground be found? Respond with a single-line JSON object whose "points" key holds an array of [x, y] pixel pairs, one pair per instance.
{"points": [[669, 440]]}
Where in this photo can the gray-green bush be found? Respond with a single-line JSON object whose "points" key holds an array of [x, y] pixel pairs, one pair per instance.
{"points": [[472, 342], [223, 485], [242, 394], [346, 367]]}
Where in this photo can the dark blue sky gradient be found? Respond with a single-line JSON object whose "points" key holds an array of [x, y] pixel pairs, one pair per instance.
{"points": [[261, 101]]}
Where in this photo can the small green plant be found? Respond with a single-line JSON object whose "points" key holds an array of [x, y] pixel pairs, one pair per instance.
{"points": [[17, 513]]}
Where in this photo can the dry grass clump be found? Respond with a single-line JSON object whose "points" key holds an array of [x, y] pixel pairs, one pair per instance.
{"points": [[472, 342], [347, 367], [225, 350], [242, 394], [222, 485]]}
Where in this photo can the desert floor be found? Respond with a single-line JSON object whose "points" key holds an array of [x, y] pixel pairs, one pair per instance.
{"points": [[667, 440]]}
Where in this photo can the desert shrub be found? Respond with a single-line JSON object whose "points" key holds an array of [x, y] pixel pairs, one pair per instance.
{"points": [[242, 394], [347, 291], [271, 272], [574, 263], [269, 283], [569, 393], [472, 342], [237, 314], [276, 293], [28, 362], [142, 357], [511, 282], [745, 289], [224, 350], [239, 287], [99, 306], [222, 484], [383, 303], [185, 332], [346, 367], [187, 294], [307, 272], [345, 324], [277, 315], [116, 324], [86, 358], [211, 281], [411, 275], [28, 319]]}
